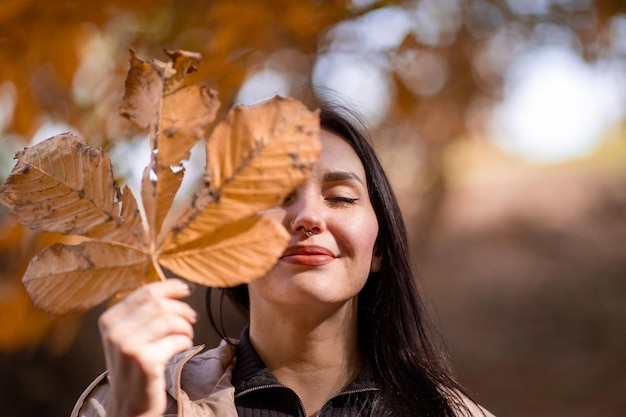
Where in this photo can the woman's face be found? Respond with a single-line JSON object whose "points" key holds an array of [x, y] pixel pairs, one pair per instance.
{"points": [[331, 262]]}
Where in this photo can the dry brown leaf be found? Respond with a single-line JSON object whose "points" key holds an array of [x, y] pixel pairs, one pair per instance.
{"points": [[68, 279], [257, 156], [232, 255], [181, 63], [176, 117], [185, 116], [128, 227], [143, 92], [63, 185]]}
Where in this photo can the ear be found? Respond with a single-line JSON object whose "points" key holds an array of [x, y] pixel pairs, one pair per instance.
{"points": [[377, 259]]}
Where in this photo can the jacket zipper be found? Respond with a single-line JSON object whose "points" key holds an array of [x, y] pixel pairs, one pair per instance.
{"points": [[302, 409], [249, 390], [179, 376], [354, 391]]}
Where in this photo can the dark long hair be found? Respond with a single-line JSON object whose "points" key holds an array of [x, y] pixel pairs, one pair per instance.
{"points": [[394, 330]]}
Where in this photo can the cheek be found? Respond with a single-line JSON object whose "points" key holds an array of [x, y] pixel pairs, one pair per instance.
{"points": [[363, 239], [362, 264]]}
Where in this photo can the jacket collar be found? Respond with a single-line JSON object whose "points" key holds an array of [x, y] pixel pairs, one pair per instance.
{"points": [[199, 380], [250, 371]]}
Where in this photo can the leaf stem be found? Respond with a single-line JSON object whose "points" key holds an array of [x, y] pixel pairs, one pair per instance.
{"points": [[158, 268]]}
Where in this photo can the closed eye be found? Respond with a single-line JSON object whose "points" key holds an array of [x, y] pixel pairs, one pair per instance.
{"points": [[342, 200]]}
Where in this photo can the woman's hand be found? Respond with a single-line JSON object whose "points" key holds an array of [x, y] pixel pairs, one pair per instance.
{"points": [[140, 335]]}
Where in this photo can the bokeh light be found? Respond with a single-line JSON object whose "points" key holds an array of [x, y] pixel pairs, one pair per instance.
{"points": [[556, 106]]}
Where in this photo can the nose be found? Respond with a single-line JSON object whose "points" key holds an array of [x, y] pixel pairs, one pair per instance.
{"points": [[307, 216]]}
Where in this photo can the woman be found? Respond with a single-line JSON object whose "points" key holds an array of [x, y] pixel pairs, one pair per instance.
{"points": [[336, 327]]}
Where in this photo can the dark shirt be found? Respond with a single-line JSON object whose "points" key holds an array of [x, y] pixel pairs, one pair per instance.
{"points": [[258, 393]]}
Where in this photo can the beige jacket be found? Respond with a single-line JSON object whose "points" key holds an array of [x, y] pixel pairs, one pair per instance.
{"points": [[198, 384]]}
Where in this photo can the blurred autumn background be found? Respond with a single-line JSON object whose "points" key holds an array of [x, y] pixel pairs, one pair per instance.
{"points": [[501, 124]]}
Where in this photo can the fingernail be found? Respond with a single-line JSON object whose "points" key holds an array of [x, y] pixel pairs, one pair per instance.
{"points": [[189, 287]]}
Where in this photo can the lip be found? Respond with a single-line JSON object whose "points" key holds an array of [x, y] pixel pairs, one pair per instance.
{"points": [[308, 255]]}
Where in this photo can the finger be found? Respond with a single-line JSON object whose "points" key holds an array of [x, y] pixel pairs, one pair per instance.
{"points": [[156, 308], [149, 321], [154, 330], [181, 309], [171, 288], [172, 345], [150, 358], [139, 347]]}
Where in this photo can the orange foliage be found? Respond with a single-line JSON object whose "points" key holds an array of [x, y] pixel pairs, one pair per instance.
{"points": [[257, 156], [24, 326]]}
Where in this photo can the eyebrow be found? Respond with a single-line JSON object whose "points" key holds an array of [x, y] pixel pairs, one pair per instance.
{"points": [[341, 176]]}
